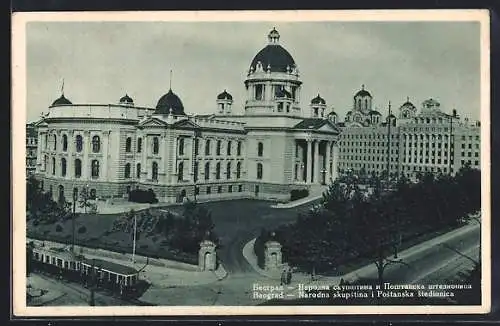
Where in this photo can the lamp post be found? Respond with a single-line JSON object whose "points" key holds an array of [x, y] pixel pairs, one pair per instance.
{"points": [[323, 171], [75, 198]]}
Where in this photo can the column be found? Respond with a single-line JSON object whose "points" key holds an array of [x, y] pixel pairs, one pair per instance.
{"points": [[86, 165], [316, 173], [309, 161], [335, 160], [70, 160], [328, 160]]}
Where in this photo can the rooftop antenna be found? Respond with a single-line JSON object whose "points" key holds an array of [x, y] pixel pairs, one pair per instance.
{"points": [[170, 79], [62, 87]]}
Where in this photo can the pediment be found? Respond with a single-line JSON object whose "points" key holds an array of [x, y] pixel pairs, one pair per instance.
{"points": [[186, 124], [152, 122]]}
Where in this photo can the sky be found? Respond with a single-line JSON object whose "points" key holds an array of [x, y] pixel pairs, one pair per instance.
{"points": [[102, 61]]}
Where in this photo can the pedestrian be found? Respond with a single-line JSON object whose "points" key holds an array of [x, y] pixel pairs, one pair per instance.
{"points": [[289, 276], [283, 277]]}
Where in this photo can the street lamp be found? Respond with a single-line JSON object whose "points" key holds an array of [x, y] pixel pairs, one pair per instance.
{"points": [[75, 197], [323, 171]]}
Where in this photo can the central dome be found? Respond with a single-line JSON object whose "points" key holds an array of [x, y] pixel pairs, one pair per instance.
{"points": [[170, 101], [274, 55]]}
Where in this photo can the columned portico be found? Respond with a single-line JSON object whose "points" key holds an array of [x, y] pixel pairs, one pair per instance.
{"points": [[315, 160]]}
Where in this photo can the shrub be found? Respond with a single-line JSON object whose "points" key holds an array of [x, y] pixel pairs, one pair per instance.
{"points": [[59, 228], [82, 229], [296, 194], [142, 196]]}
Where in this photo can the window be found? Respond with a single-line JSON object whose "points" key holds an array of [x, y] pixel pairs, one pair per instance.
{"points": [[229, 148], [78, 168], [259, 171], [207, 147], [259, 91], [128, 145], [197, 190], [65, 143], [79, 143], [138, 170], [55, 143], [139, 145], [230, 188], [240, 188], [93, 194], [154, 171], [207, 171], [181, 146], [209, 190], [195, 175], [219, 145], [238, 149], [238, 170], [96, 144], [180, 171], [228, 170], [196, 145], [127, 170], [217, 171], [260, 149], [95, 169], [219, 189], [53, 166], [156, 145], [63, 167]]}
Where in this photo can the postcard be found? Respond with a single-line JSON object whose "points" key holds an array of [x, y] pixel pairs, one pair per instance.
{"points": [[251, 162]]}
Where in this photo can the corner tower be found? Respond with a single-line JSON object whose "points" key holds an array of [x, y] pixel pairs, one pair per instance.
{"points": [[273, 82]]}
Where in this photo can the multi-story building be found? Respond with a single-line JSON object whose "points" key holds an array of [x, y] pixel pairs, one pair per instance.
{"points": [[31, 148], [274, 147], [419, 142]]}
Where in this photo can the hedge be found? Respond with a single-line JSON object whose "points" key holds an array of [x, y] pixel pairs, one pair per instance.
{"points": [[142, 196], [296, 194]]}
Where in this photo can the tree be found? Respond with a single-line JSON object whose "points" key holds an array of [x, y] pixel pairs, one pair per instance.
{"points": [[85, 201]]}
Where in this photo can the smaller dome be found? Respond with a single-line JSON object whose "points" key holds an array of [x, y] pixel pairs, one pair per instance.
{"points": [[363, 92], [283, 93], [61, 101], [391, 116], [407, 104], [224, 96], [373, 112], [332, 113], [170, 101], [318, 100], [126, 100]]}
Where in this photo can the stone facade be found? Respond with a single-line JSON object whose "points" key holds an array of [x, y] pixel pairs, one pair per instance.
{"points": [[207, 256], [272, 256]]}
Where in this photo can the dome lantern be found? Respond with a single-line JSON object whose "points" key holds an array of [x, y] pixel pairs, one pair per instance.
{"points": [[273, 36], [126, 100], [224, 102]]}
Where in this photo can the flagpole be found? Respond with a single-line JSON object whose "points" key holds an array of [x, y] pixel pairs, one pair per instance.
{"points": [[135, 232]]}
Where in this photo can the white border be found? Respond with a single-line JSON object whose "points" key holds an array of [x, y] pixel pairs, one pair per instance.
{"points": [[19, 21]]}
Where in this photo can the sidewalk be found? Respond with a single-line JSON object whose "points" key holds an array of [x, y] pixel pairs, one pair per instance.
{"points": [[305, 279], [37, 285]]}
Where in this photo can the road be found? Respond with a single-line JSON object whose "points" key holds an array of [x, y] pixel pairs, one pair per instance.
{"points": [[73, 294], [437, 264]]}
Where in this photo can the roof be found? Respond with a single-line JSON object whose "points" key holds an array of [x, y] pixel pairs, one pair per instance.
{"points": [[363, 92], [310, 123], [170, 101], [224, 96], [275, 56], [61, 101], [373, 112], [318, 100], [110, 266], [126, 99]]}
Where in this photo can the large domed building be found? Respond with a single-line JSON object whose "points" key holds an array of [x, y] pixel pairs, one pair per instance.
{"points": [[275, 146]]}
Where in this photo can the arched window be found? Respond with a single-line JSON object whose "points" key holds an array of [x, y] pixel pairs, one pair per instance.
{"points": [[366, 103], [229, 148], [128, 145], [260, 149], [238, 149], [207, 147], [55, 143], [63, 167], [181, 146], [207, 171], [154, 171], [259, 171], [53, 166], [138, 170], [238, 170], [139, 145], [180, 172], [228, 170], [78, 168], [127, 170], [96, 144], [219, 145], [65, 143], [196, 145], [79, 143], [217, 171], [195, 176], [95, 168], [156, 145], [359, 103]]}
